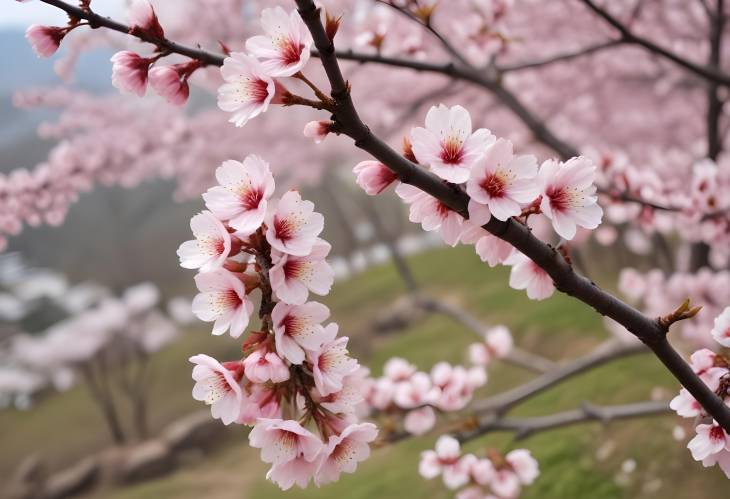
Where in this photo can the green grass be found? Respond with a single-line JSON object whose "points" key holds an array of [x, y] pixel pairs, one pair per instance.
{"points": [[65, 427]]}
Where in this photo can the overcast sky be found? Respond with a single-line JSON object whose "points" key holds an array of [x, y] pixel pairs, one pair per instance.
{"points": [[23, 14]]}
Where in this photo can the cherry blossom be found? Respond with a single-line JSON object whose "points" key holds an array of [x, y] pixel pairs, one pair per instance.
{"points": [[721, 330], [419, 421], [218, 385], [293, 277], [262, 366], [431, 213], [222, 300], [446, 461], [317, 130], [569, 195], [130, 72], [711, 439], [497, 345], [398, 369], [211, 247], [503, 181], [248, 89], [299, 327], [331, 362], [343, 452], [45, 40], [374, 177], [242, 195], [524, 465], [293, 226], [285, 48], [171, 83], [281, 441], [527, 275], [142, 18], [447, 144]]}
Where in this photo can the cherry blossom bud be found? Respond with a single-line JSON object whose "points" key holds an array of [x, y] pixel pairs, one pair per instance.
{"points": [[374, 177], [317, 130], [165, 80], [130, 72], [143, 20], [332, 25], [45, 40]]}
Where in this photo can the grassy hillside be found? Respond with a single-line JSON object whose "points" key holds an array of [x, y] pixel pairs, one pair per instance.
{"points": [[577, 462]]}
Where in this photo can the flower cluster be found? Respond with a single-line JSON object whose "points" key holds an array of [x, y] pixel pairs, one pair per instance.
{"points": [[404, 390], [655, 289], [418, 396], [500, 184], [296, 383], [251, 79], [495, 475], [711, 445]]}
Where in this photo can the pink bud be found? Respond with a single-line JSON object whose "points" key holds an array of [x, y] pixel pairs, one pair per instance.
{"points": [[142, 18], [130, 72], [45, 40], [317, 130], [166, 81]]}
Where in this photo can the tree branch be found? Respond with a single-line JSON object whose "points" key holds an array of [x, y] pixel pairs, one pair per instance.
{"points": [[519, 236], [560, 57], [628, 36], [516, 357], [526, 427]]}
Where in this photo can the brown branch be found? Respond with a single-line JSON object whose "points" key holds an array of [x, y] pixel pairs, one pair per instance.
{"points": [[526, 427], [627, 36], [591, 49], [604, 353]]}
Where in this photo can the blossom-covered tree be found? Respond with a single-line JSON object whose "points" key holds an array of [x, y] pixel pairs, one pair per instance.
{"points": [[625, 160]]}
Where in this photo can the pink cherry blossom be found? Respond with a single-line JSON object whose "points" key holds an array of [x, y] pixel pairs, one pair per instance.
{"points": [[218, 386], [222, 299], [283, 440], [248, 89], [569, 195], [286, 47], [711, 439], [685, 405], [721, 329], [431, 213], [293, 226], [348, 398], [419, 421], [381, 394], [526, 274], [497, 345], [241, 198], [293, 277], [490, 249], [299, 327], [417, 391], [317, 130], [447, 454], [169, 83], [211, 247], [130, 72], [45, 40], [344, 451], [524, 465], [374, 177], [398, 369], [142, 17], [261, 366], [505, 483], [482, 471], [503, 181], [295, 471], [331, 362], [261, 402], [447, 144]]}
